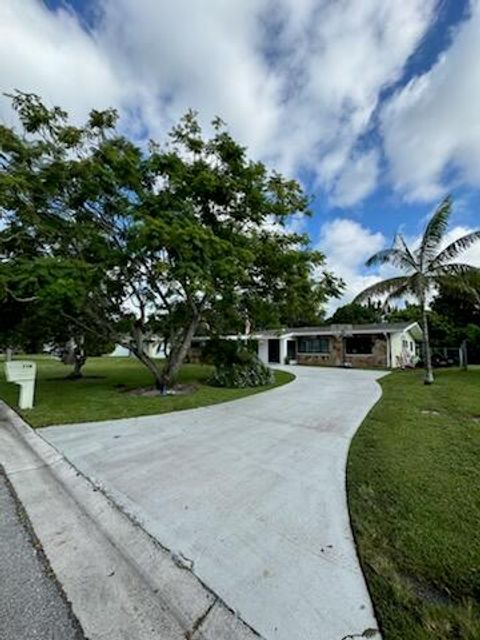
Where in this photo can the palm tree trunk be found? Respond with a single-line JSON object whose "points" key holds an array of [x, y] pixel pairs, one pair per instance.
{"points": [[426, 346]]}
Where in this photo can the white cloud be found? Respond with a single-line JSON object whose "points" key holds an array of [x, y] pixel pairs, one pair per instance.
{"points": [[297, 80], [470, 256], [347, 245], [358, 179], [52, 55], [338, 56], [432, 125]]}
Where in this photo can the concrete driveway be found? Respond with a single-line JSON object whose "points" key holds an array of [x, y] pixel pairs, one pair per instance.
{"points": [[250, 495]]}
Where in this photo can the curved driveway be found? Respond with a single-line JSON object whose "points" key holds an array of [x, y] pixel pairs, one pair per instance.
{"points": [[251, 495]]}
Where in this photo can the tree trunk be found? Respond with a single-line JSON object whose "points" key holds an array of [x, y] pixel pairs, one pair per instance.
{"points": [[8, 354], [464, 355], [138, 351], [178, 354], [80, 359], [75, 354], [426, 347]]}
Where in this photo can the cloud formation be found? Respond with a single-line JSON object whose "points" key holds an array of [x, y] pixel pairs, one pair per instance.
{"points": [[50, 54], [431, 126], [298, 81], [348, 245]]}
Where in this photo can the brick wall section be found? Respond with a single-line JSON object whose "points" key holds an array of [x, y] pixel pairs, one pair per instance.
{"points": [[314, 359], [378, 357]]}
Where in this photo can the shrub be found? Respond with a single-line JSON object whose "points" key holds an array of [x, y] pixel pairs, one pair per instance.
{"points": [[236, 364], [221, 352], [241, 375]]}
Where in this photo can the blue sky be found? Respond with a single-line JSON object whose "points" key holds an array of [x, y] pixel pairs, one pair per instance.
{"points": [[372, 104]]}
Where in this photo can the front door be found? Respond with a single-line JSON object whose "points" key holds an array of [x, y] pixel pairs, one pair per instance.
{"points": [[274, 351]]}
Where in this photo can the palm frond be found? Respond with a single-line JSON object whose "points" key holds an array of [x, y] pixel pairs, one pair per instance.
{"points": [[434, 232], [455, 270], [399, 242], [456, 247], [397, 294], [379, 289], [393, 256]]}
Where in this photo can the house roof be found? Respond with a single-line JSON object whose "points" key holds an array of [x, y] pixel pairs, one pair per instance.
{"points": [[336, 329], [329, 330]]}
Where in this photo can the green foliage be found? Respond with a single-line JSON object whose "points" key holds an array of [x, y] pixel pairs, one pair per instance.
{"points": [[461, 309], [452, 318], [236, 364], [54, 278], [442, 329], [221, 352], [355, 313], [472, 332], [252, 373], [104, 237]]}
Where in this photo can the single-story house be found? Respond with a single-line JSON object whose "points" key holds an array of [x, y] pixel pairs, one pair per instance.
{"points": [[356, 345], [353, 345]]}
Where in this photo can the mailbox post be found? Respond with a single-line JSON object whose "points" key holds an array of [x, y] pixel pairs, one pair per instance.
{"points": [[22, 372]]}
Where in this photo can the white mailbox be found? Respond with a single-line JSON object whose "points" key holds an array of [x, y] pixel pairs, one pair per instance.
{"points": [[22, 372]]}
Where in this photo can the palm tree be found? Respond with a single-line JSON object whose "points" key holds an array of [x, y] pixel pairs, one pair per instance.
{"points": [[425, 268]]}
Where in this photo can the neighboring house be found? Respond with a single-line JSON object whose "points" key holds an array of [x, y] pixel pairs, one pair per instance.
{"points": [[154, 347], [361, 345]]}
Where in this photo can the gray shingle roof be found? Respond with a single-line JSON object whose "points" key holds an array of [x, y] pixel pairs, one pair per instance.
{"points": [[382, 327]]}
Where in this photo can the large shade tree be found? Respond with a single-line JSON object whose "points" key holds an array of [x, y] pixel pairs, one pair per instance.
{"points": [[162, 240], [426, 268]]}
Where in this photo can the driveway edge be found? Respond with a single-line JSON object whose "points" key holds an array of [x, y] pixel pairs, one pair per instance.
{"points": [[378, 630], [119, 581]]}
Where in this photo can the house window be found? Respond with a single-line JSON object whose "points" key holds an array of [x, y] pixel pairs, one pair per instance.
{"points": [[313, 344], [359, 345]]}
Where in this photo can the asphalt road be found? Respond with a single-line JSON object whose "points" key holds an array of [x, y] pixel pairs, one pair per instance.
{"points": [[32, 604]]}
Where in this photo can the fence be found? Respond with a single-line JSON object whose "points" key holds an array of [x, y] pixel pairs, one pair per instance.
{"points": [[443, 356]]}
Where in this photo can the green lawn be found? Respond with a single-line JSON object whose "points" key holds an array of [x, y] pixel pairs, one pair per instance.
{"points": [[414, 493], [59, 401]]}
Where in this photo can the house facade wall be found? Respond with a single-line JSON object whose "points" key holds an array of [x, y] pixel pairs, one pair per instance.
{"points": [[389, 350], [403, 349], [378, 357], [120, 352], [332, 358], [263, 350], [336, 357]]}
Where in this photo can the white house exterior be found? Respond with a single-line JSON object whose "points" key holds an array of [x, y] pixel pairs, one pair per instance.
{"points": [[373, 345], [381, 345], [154, 347]]}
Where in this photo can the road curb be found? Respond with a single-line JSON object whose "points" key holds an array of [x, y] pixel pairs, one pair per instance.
{"points": [[120, 582]]}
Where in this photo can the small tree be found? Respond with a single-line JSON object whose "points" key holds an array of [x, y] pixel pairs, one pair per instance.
{"points": [[426, 267]]}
